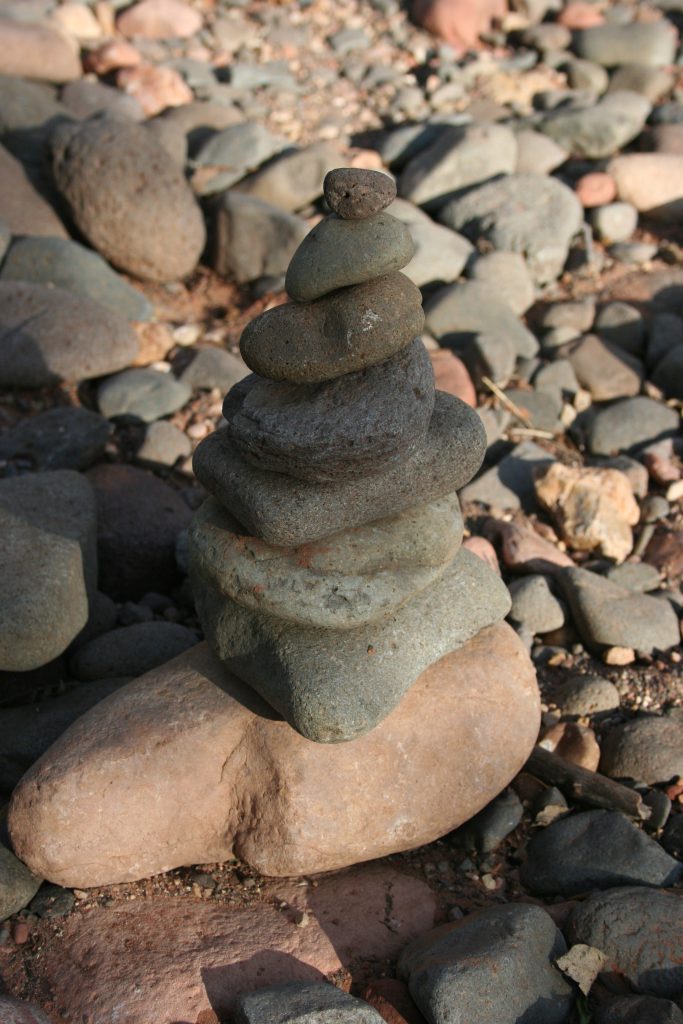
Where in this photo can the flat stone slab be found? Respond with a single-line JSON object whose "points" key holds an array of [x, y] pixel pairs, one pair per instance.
{"points": [[288, 512], [155, 776], [360, 423], [346, 331], [313, 1002], [354, 577], [333, 685]]}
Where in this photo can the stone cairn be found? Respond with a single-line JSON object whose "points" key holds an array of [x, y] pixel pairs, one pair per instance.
{"points": [[327, 564]]}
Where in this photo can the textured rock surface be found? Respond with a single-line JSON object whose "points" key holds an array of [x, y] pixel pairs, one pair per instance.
{"points": [[304, 1003], [360, 423], [344, 332], [185, 732], [646, 749], [355, 194], [335, 685], [66, 437], [17, 886], [287, 512], [131, 650]]}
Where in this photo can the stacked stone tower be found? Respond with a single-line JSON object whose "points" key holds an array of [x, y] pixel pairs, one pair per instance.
{"points": [[327, 565]]}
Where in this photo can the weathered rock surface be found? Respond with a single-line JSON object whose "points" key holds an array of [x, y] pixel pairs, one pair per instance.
{"points": [[359, 423], [17, 886], [129, 200], [48, 565], [335, 685], [344, 332], [354, 194], [645, 749], [304, 1003], [290, 512], [186, 731]]}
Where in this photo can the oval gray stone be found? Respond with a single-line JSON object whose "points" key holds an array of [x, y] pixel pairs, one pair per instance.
{"points": [[303, 1002], [646, 749], [18, 885], [131, 650], [337, 253], [144, 393], [349, 330], [340, 429], [629, 424]]}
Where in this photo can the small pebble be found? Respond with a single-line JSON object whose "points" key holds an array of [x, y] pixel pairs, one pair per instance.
{"points": [[354, 193]]}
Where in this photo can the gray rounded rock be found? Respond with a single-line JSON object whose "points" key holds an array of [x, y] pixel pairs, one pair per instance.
{"points": [[339, 252], [644, 749], [131, 650], [534, 604], [163, 444], [18, 885], [354, 193], [303, 1002], [487, 829], [630, 424], [143, 393], [344, 332], [650, 43], [344, 428], [586, 695], [66, 437], [614, 222], [128, 198]]}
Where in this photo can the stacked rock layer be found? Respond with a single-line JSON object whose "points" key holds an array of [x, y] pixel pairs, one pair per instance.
{"points": [[327, 565]]}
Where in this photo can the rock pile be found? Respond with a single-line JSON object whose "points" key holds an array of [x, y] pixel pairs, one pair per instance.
{"points": [[327, 565]]}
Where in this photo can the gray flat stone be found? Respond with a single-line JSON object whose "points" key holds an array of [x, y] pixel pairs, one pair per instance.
{"points": [[214, 368], [359, 423], [61, 263], [586, 695], [614, 222], [339, 252], [460, 312], [537, 154], [163, 445], [284, 511], [507, 273], [630, 424], [303, 1002], [66, 437], [333, 685], [510, 483], [143, 393], [440, 254], [534, 604], [527, 213], [274, 236], [18, 885], [342, 333], [650, 43], [645, 749], [350, 579], [48, 565], [487, 829], [234, 152]]}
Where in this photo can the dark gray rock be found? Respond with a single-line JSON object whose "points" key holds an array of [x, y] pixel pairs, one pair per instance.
{"points": [[595, 850], [342, 333], [639, 1010], [274, 236], [66, 437], [638, 576], [131, 650], [653, 83], [334, 685], [644, 749], [18, 885], [359, 423], [605, 370], [234, 152], [337, 253], [599, 131], [527, 213], [52, 901], [640, 931], [48, 335], [84, 97], [650, 43], [672, 838], [22, 208], [586, 695], [487, 830], [48, 565], [25, 104], [621, 324], [668, 374], [496, 966], [665, 333], [535, 606], [510, 483], [630, 424], [61, 263], [558, 378], [354, 193], [289, 512], [144, 393], [303, 1002]]}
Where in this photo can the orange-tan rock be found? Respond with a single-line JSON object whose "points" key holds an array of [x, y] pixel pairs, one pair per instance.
{"points": [[186, 766]]}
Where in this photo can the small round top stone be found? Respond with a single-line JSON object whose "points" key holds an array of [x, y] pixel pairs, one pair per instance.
{"points": [[354, 193]]}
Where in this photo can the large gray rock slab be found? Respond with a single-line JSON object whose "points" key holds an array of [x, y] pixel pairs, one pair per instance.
{"points": [[347, 331], [289, 512], [595, 850], [339, 252], [440, 254], [294, 178], [274, 236], [348, 580], [599, 131], [334, 685], [61, 263], [18, 885], [304, 1002], [66, 437], [645, 749], [607, 615], [458, 158], [128, 198], [528, 213], [131, 650], [630, 424], [640, 931], [496, 965], [48, 565], [48, 335], [359, 423], [650, 43]]}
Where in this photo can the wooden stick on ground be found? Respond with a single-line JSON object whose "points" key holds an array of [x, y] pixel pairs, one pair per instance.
{"points": [[584, 786]]}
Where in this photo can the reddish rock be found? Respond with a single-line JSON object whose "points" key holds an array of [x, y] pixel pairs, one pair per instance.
{"points": [[159, 19], [450, 375], [665, 552], [574, 743], [392, 1000], [30, 50], [526, 551], [111, 56], [580, 14], [155, 88], [186, 766], [156, 341], [595, 189], [484, 549], [20, 932]]}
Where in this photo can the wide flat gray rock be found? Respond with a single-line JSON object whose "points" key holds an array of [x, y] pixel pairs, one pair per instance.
{"points": [[650, 43], [288, 512], [331, 584], [304, 1002], [346, 331], [629, 424], [359, 423], [440, 254], [599, 131], [334, 685]]}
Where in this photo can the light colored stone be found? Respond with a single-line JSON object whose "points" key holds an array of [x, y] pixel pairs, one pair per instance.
{"points": [[652, 182], [37, 51], [159, 19], [574, 743]]}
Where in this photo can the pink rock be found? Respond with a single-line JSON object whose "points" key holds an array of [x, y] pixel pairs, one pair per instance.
{"points": [[187, 766], [574, 743], [159, 19], [580, 14], [37, 51], [450, 375], [14, 1011], [155, 88], [595, 189], [526, 551], [652, 182], [111, 56], [484, 549]]}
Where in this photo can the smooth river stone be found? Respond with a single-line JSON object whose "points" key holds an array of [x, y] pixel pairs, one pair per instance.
{"points": [[154, 776], [349, 330], [359, 423], [287, 582], [288, 512], [340, 252], [333, 685]]}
